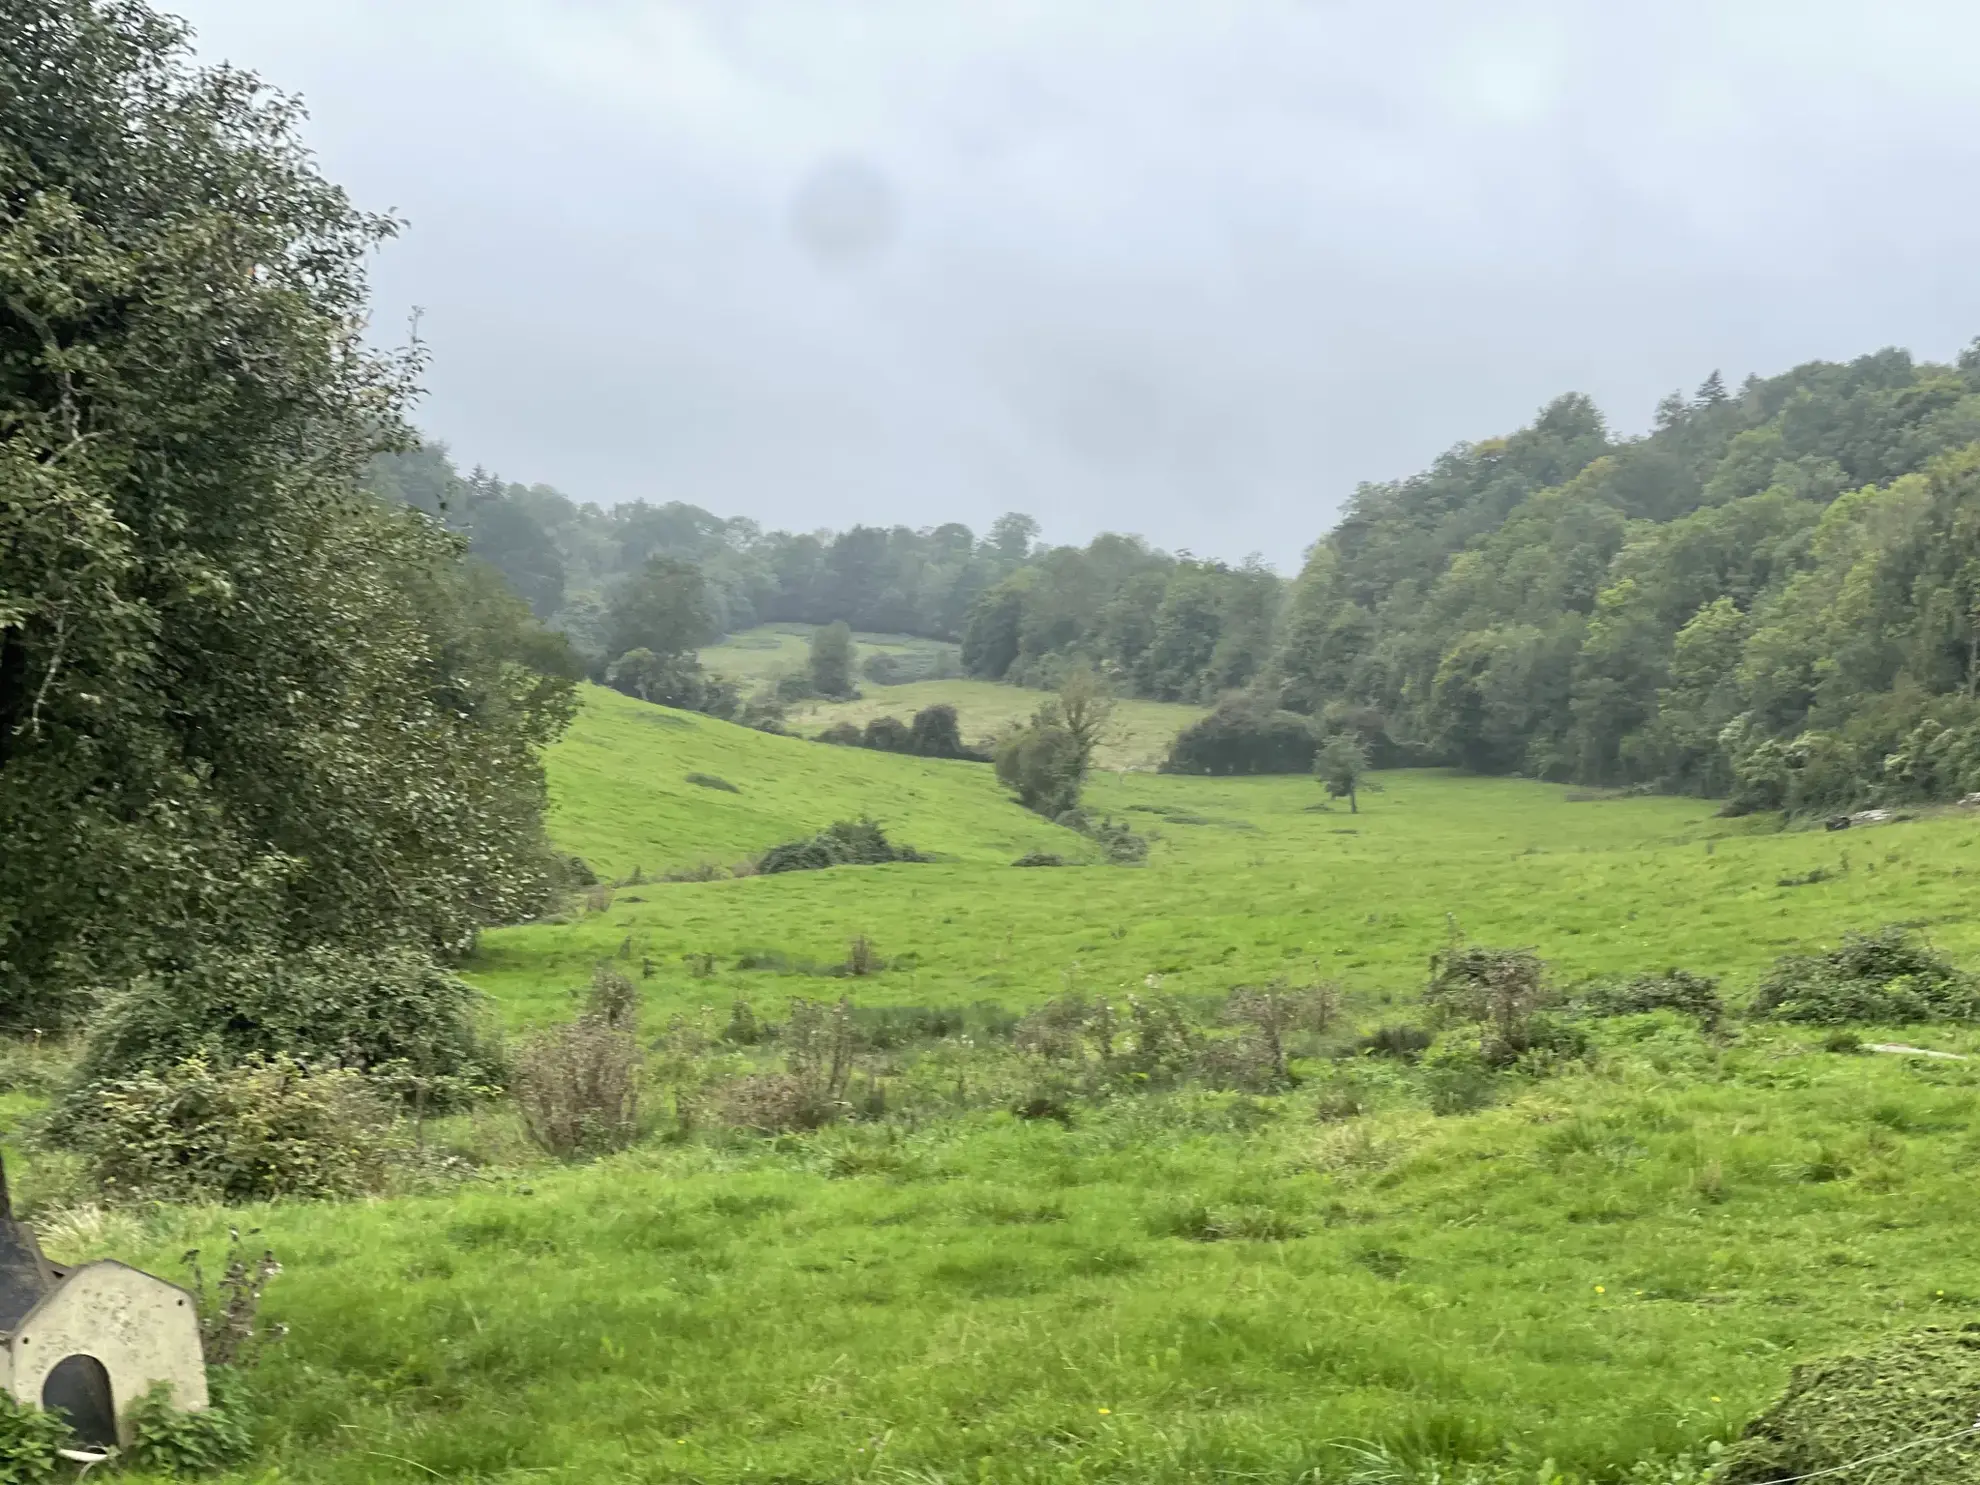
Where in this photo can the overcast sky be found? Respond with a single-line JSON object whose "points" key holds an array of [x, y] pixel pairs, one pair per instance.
{"points": [[1192, 268]]}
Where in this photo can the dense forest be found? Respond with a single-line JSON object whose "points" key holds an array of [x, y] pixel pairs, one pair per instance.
{"points": [[1773, 596]]}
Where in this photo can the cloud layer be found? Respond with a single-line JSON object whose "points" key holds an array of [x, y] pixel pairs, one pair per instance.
{"points": [[1187, 267]]}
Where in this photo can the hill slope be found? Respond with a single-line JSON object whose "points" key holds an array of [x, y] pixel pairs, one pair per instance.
{"points": [[621, 796]]}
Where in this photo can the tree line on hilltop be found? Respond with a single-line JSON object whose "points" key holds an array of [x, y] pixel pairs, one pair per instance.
{"points": [[1773, 596]]}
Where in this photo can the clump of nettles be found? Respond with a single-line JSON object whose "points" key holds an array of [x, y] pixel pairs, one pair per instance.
{"points": [[1918, 1393], [1892, 977], [843, 843]]}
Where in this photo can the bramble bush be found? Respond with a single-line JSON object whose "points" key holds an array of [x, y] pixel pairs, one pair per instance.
{"points": [[1891, 977], [263, 1129], [1674, 990], [843, 843], [323, 1008]]}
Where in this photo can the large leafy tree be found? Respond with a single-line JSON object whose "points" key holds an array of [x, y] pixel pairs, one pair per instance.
{"points": [[244, 707]]}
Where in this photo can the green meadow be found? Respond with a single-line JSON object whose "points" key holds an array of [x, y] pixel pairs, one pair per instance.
{"points": [[770, 650], [1593, 1275], [1139, 738]]}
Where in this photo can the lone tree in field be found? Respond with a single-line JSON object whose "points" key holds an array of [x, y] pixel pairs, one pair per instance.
{"points": [[1086, 706], [831, 661], [1341, 764]]}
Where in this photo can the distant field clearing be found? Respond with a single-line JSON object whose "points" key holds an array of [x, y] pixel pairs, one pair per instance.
{"points": [[1139, 738]]}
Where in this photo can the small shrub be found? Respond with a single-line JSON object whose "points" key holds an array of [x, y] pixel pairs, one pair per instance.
{"points": [[774, 1103], [1498, 990], [1257, 1058], [883, 669], [263, 1130], [763, 712], [322, 1008], [1244, 735], [1119, 843], [743, 1030], [613, 999], [1459, 1082], [1340, 1100], [1054, 1103], [936, 733], [29, 1438], [844, 843], [700, 871], [712, 781], [1709, 1181], [1039, 858], [1058, 1029], [168, 1441], [1401, 1043], [1889, 977], [231, 1333], [887, 735], [1042, 764], [1839, 1411], [862, 958], [577, 1088], [841, 735], [1844, 1042], [1117, 840], [1673, 990]]}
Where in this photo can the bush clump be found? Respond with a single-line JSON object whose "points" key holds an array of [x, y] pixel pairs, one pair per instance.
{"points": [[1887, 1401], [1244, 735], [1039, 858], [167, 1440], [1890, 977], [577, 1086], [257, 1131], [1498, 990], [1400, 1043], [1674, 990], [1117, 840], [321, 1009], [843, 843]]}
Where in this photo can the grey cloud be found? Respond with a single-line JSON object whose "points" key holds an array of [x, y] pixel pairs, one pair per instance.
{"points": [[1187, 267]]}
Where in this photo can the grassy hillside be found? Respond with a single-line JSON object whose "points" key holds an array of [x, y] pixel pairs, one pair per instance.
{"points": [[1603, 1262], [1138, 738], [622, 797], [1613, 1269], [1248, 878], [777, 649]]}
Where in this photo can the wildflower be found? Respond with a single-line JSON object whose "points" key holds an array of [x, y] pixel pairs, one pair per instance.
{"points": [[1600, 1290], [1105, 1411]]}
